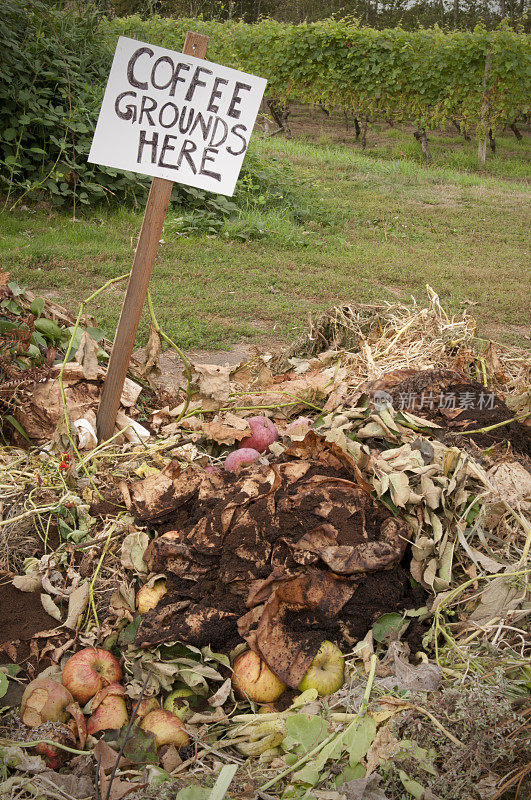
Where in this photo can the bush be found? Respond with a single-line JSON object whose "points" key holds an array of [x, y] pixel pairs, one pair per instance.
{"points": [[52, 78]]}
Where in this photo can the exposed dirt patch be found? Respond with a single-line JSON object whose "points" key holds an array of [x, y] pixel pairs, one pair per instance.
{"points": [[22, 616]]}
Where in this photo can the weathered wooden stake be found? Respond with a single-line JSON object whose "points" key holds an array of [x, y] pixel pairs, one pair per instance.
{"points": [[157, 204]]}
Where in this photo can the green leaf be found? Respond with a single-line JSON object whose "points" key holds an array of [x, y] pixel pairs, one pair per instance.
{"points": [[411, 786], [358, 739], [16, 291], [350, 773], [48, 329], [10, 669], [140, 747], [4, 683], [37, 306], [127, 635], [386, 625], [17, 426], [308, 774], [194, 792], [306, 731]]}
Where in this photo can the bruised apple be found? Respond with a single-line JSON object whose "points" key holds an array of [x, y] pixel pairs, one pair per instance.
{"points": [[88, 671], [252, 678], [108, 710], [240, 458], [326, 672], [45, 700], [166, 727], [148, 596], [263, 433]]}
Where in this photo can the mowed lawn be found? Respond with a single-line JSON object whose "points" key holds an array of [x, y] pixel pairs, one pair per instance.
{"points": [[383, 228]]}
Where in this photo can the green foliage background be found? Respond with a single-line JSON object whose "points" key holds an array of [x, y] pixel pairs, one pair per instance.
{"points": [[55, 62]]}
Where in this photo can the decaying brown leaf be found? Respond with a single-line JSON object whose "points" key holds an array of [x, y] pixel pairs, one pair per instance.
{"points": [[87, 356], [214, 384]]}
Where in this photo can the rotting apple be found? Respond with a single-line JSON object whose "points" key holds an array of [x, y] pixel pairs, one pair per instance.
{"points": [[108, 710], [240, 458], [54, 757], [263, 433], [252, 678], [166, 727], [45, 700], [180, 700], [326, 673], [146, 705], [88, 671], [148, 596]]}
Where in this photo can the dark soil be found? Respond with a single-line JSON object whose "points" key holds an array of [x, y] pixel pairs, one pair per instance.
{"points": [[420, 393], [21, 617]]}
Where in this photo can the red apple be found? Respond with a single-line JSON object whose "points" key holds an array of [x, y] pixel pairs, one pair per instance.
{"points": [[108, 710], [148, 596], [240, 458], [263, 433], [326, 672], [166, 727], [252, 678], [88, 671], [45, 700]]}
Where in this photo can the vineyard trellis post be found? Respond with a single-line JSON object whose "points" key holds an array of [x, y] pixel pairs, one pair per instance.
{"points": [[484, 118]]}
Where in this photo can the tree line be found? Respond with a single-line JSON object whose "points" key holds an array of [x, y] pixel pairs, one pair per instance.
{"points": [[409, 14]]}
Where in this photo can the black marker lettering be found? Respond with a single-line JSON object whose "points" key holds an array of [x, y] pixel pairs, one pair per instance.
{"points": [[196, 82], [175, 112], [131, 66], [184, 126], [205, 128], [219, 121], [211, 105], [236, 99], [144, 109], [130, 109], [165, 147], [242, 149], [176, 77], [187, 148], [161, 60], [206, 157], [152, 142]]}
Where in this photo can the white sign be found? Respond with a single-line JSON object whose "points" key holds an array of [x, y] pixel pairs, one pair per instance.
{"points": [[175, 116]]}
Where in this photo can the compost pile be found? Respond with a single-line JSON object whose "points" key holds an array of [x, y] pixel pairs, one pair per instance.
{"points": [[285, 556], [388, 513]]}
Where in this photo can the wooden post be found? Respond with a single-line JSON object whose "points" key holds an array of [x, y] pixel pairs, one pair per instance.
{"points": [[484, 123], [157, 204]]}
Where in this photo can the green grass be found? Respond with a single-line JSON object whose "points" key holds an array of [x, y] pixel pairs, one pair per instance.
{"points": [[381, 228]]}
